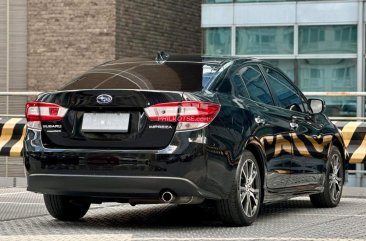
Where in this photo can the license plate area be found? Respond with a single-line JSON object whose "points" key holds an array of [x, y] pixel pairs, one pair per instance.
{"points": [[105, 122]]}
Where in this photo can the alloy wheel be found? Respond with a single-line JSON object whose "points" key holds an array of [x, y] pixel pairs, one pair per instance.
{"points": [[335, 177], [249, 188]]}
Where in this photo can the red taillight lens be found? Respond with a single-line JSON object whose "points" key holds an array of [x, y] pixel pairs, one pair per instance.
{"points": [[194, 111], [41, 111], [188, 114], [165, 112]]}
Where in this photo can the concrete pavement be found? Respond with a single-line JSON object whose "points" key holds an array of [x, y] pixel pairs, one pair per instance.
{"points": [[24, 217]]}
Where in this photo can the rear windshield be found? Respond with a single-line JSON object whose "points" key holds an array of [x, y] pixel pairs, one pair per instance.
{"points": [[172, 75]]}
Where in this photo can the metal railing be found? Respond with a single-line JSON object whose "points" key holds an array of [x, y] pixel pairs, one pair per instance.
{"points": [[330, 94], [333, 94], [20, 93], [340, 94]]}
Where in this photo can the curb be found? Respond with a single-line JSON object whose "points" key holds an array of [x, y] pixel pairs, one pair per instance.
{"points": [[354, 192]]}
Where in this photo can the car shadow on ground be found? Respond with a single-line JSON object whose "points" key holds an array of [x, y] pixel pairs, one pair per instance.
{"points": [[155, 216]]}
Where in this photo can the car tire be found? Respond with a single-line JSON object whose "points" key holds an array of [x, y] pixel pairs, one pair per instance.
{"points": [[245, 198], [333, 184], [66, 208]]}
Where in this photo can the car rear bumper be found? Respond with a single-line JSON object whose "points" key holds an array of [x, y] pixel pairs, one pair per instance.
{"points": [[128, 187], [182, 168]]}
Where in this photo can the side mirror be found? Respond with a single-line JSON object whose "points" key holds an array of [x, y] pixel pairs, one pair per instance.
{"points": [[317, 105]]}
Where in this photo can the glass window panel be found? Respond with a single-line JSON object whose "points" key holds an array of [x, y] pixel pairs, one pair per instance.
{"points": [[251, 1], [286, 65], [256, 85], [264, 40], [331, 75], [238, 84], [217, 1], [217, 41], [334, 106], [328, 39], [287, 95]]}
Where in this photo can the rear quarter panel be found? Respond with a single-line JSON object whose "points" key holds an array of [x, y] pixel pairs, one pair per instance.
{"points": [[226, 138]]}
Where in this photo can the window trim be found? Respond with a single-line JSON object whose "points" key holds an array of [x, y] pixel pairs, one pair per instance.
{"points": [[265, 81], [217, 81], [298, 91]]}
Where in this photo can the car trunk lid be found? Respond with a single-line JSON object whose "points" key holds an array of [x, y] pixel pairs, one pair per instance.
{"points": [[119, 124]]}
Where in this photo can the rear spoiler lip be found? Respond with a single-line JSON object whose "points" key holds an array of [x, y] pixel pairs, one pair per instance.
{"points": [[139, 90]]}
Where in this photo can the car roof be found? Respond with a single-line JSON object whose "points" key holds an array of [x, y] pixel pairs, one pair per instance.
{"points": [[163, 57]]}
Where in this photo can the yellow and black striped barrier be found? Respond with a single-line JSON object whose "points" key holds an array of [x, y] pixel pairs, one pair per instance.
{"points": [[13, 133], [12, 136], [354, 136]]}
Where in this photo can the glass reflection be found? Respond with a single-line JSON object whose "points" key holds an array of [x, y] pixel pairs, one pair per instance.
{"points": [[264, 40], [217, 41], [256, 85], [217, 1], [286, 65], [331, 75], [250, 1], [328, 39]]}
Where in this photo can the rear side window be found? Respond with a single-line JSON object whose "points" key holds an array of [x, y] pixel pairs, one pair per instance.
{"points": [[287, 94], [239, 86], [256, 85]]}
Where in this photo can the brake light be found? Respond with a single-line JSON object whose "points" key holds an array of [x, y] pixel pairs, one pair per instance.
{"points": [[188, 114], [36, 112]]}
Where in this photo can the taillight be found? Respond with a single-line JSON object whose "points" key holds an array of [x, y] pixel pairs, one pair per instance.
{"points": [[188, 114], [36, 112]]}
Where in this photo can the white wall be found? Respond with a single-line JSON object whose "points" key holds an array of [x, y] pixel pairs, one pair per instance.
{"points": [[280, 13]]}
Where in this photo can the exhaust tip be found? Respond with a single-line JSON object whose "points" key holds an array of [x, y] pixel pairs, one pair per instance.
{"points": [[167, 197]]}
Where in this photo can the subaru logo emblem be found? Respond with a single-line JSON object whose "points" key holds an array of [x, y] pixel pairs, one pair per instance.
{"points": [[104, 99]]}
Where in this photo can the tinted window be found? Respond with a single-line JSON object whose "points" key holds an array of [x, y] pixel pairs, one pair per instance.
{"points": [[286, 93], [256, 85], [234, 86], [220, 81], [238, 84], [134, 73], [224, 86], [232, 83]]}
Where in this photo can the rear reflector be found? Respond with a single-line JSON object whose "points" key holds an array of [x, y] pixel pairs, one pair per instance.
{"points": [[188, 114], [41, 111]]}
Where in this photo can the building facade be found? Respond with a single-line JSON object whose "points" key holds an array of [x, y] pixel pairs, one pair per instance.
{"points": [[144, 27], [46, 43], [319, 44]]}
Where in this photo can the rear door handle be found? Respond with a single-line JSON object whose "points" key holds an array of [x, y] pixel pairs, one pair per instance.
{"points": [[259, 120], [295, 117], [294, 125]]}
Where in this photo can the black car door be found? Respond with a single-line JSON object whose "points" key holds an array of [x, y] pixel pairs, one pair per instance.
{"points": [[309, 144], [271, 127]]}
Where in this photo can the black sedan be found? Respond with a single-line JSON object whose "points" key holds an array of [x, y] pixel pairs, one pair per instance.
{"points": [[139, 130]]}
